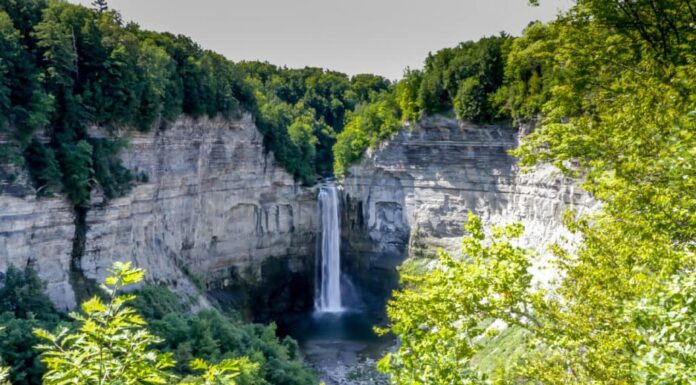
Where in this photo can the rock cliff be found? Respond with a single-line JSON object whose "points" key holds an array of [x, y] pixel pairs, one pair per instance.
{"points": [[412, 195], [215, 211]]}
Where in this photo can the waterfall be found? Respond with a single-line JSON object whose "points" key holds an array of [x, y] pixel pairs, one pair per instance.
{"points": [[328, 295]]}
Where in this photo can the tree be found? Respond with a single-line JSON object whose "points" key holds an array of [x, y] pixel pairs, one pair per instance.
{"points": [[442, 316], [112, 345], [4, 372], [366, 127], [616, 313], [406, 95], [667, 328], [301, 133], [24, 307], [100, 5]]}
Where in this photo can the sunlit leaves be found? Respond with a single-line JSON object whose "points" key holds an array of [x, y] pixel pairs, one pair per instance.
{"points": [[611, 88], [112, 345], [4, 372], [366, 127], [442, 316]]}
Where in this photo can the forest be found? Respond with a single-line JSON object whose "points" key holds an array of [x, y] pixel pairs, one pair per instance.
{"points": [[608, 85]]}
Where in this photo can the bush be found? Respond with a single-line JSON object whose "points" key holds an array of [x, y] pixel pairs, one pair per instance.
{"points": [[215, 336], [24, 307], [366, 127]]}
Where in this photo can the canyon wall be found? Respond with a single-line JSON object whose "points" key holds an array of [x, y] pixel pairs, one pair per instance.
{"points": [[412, 195], [212, 210]]}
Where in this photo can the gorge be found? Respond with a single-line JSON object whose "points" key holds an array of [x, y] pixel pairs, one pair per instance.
{"points": [[218, 216], [519, 210], [218, 209]]}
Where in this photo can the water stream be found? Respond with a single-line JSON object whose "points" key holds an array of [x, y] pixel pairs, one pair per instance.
{"points": [[337, 338], [328, 293]]}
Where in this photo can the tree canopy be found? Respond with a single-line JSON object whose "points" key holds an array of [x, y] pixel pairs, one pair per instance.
{"points": [[610, 86], [146, 336]]}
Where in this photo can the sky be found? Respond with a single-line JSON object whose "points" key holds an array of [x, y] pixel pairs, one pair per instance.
{"points": [[352, 36]]}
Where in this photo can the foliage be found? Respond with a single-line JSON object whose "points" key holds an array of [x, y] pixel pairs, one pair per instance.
{"points": [[214, 336], [466, 78], [44, 168], [406, 95], [24, 106], [65, 68], [111, 345], [17, 347], [210, 335], [115, 179], [25, 307], [613, 83], [366, 127], [4, 372], [302, 110], [22, 295], [439, 317], [667, 327]]}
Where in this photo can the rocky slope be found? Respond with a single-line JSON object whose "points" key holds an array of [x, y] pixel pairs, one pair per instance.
{"points": [[412, 195], [215, 211]]}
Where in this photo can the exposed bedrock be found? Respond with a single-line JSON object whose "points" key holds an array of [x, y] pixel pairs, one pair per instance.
{"points": [[215, 211], [412, 195]]}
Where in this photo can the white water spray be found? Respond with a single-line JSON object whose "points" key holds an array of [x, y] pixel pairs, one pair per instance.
{"points": [[328, 295]]}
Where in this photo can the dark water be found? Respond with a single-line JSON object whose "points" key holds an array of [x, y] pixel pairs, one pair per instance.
{"points": [[346, 325], [338, 344]]}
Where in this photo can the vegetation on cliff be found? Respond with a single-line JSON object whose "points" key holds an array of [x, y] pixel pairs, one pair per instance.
{"points": [[613, 84], [65, 68], [463, 80], [300, 111], [146, 336]]}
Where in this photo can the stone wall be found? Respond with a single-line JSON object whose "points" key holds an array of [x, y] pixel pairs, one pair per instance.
{"points": [[412, 196], [214, 210]]}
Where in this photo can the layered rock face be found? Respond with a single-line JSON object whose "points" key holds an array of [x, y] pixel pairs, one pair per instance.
{"points": [[215, 211], [412, 195], [38, 233]]}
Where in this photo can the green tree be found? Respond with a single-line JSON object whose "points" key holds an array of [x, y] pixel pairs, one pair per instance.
{"points": [[24, 107], [100, 5], [469, 102], [301, 133], [598, 81], [366, 127], [77, 175], [24, 307], [112, 345], [441, 317], [667, 330], [4, 372], [43, 167], [406, 95]]}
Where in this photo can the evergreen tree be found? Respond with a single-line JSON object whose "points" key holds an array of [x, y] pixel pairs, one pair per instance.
{"points": [[100, 5]]}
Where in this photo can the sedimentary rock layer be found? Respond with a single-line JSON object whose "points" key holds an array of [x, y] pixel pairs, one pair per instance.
{"points": [[412, 194], [211, 208]]}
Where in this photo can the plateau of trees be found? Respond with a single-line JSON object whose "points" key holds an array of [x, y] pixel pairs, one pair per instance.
{"points": [[300, 112], [147, 336], [65, 69], [460, 81], [611, 86]]}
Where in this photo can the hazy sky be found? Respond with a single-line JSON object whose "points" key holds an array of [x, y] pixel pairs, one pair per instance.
{"points": [[352, 36]]}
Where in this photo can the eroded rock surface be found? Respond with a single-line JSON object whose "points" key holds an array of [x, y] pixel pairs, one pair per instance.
{"points": [[412, 195], [215, 210]]}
